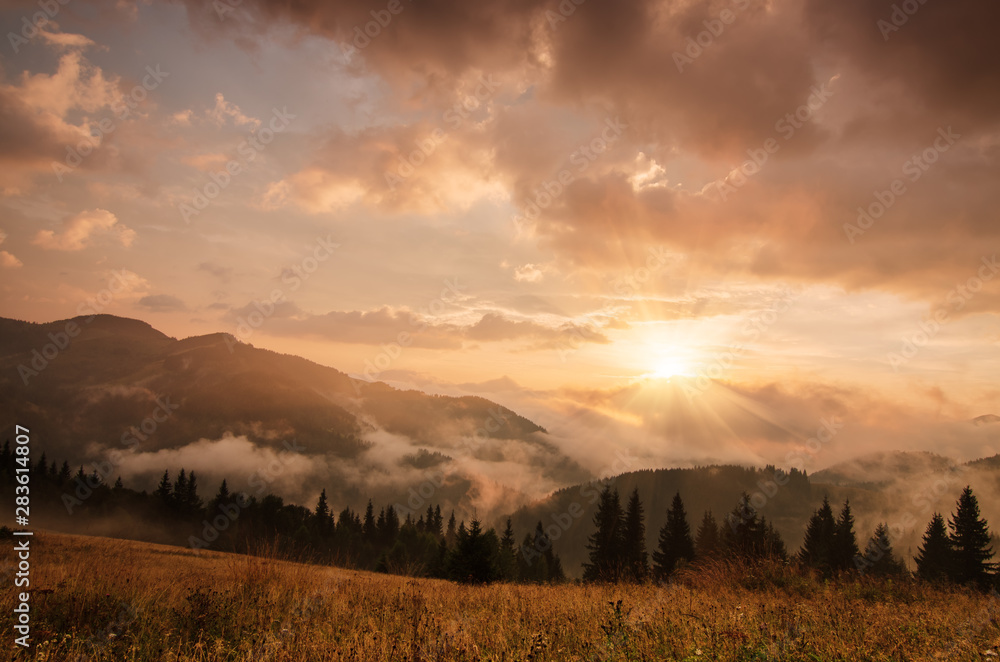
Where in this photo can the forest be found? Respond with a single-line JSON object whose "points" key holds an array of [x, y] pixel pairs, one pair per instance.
{"points": [[956, 550]]}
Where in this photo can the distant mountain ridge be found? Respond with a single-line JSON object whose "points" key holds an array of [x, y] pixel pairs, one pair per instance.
{"points": [[82, 395], [901, 488], [81, 384], [882, 468], [986, 419]]}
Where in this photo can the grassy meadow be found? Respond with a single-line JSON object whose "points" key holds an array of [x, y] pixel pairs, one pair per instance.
{"points": [[114, 600]]}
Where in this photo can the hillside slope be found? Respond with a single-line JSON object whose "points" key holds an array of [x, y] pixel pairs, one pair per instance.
{"points": [[101, 390], [123, 600]]}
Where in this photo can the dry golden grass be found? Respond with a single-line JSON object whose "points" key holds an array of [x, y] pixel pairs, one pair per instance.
{"points": [[123, 601]]}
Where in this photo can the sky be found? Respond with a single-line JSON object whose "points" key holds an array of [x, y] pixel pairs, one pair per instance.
{"points": [[714, 225]]}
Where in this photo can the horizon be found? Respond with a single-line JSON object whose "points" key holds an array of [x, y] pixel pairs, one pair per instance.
{"points": [[359, 379]]}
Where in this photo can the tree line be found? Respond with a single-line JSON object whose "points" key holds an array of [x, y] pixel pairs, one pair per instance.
{"points": [[960, 552], [617, 548], [376, 539], [957, 550]]}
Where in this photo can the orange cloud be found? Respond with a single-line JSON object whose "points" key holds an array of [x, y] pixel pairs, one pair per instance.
{"points": [[7, 260], [77, 231]]}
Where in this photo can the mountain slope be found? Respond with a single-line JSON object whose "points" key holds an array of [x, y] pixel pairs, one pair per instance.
{"points": [[102, 388], [902, 489]]}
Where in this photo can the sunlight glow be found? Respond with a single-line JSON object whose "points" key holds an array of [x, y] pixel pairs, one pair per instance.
{"points": [[670, 366]]}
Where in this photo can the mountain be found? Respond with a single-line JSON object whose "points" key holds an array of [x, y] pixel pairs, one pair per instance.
{"points": [[986, 419], [878, 470], [902, 489], [115, 392], [568, 514], [88, 386]]}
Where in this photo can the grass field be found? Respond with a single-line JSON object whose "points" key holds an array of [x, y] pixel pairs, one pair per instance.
{"points": [[100, 599]]}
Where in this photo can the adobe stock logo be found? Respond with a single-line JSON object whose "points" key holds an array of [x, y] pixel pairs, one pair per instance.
{"points": [[31, 28], [249, 149], [899, 17], [122, 108], [914, 168], [786, 127], [585, 155], [363, 34]]}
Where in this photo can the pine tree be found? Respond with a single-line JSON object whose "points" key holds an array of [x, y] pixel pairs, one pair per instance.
{"points": [[428, 520], [472, 560], [634, 541], [845, 542], [179, 492], [163, 491], [450, 534], [347, 524], [552, 571], [323, 517], [675, 544], [507, 564], [380, 530], [531, 564], [439, 566], [934, 557], [437, 527], [818, 547], [747, 536], [879, 559], [606, 543], [221, 497], [708, 542], [971, 541], [771, 545], [119, 486], [192, 503], [65, 473], [368, 528], [391, 525], [180, 485]]}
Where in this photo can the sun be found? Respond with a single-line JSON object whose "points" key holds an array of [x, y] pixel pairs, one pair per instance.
{"points": [[669, 366], [662, 352]]}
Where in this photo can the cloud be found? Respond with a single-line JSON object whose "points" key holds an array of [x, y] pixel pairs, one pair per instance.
{"points": [[884, 97], [421, 167], [528, 273], [162, 303], [448, 331], [224, 110], [927, 57], [39, 112], [657, 425], [7, 260], [66, 40], [182, 117], [494, 327], [244, 464], [77, 231], [217, 270], [210, 162]]}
